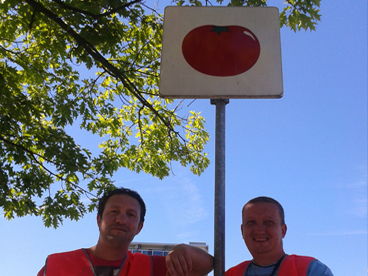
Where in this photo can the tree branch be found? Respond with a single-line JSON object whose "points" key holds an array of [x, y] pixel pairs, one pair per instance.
{"points": [[91, 50], [96, 16], [33, 154]]}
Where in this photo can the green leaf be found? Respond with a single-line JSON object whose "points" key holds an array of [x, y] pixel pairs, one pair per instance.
{"points": [[92, 69]]}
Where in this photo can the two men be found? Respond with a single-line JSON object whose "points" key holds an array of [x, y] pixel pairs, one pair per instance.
{"points": [[263, 228], [120, 217]]}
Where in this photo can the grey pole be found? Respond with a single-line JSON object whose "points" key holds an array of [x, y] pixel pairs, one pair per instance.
{"points": [[219, 237]]}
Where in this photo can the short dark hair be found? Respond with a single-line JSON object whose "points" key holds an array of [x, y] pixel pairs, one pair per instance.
{"points": [[122, 191], [265, 199]]}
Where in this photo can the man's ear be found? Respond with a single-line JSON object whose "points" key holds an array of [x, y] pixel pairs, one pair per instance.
{"points": [[241, 228], [98, 220], [140, 226], [283, 229]]}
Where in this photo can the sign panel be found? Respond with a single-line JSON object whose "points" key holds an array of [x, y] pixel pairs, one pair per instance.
{"points": [[221, 53]]}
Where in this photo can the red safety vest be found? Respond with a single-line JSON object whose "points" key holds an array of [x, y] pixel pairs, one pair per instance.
{"points": [[292, 265], [76, 263]]}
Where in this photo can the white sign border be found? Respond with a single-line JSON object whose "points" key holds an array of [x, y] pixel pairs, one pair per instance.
{"points": [[179, 80]]}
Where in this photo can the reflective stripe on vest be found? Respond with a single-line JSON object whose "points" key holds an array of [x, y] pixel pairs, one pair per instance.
{"points": [[292, 265], [76, 263]]}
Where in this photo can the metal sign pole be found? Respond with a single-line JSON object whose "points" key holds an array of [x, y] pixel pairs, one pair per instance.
{"points": [[219, 237]]}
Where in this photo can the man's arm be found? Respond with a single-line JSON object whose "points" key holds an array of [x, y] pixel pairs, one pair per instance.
{"points": [[186, 260]]}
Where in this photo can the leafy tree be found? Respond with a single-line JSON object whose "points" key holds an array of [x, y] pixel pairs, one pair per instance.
{"points": [[92, 64], [296, 15]]}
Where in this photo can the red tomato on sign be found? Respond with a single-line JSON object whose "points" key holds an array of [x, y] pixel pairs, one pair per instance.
{"points": [[221, 51]]}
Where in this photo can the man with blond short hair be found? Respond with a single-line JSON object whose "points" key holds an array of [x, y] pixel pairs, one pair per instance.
{"points": [[263, 229]]}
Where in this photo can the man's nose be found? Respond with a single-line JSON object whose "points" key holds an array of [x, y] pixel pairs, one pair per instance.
{"points": [[121, 218], [260, 227]]}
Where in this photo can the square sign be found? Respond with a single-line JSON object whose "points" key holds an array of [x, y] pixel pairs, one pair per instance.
{"points": [[221, 53]]}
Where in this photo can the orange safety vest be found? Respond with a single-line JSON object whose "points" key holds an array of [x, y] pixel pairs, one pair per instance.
{"points": [[76, 263], [292, 265]]}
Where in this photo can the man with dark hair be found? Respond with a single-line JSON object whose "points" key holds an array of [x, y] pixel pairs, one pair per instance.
{"points": [[120, 217], [263, 228], [121, 191]]}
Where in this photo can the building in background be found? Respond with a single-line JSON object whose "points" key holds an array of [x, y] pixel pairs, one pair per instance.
{"points": [[160, 249]]}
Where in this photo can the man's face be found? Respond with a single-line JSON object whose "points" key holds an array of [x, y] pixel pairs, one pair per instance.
{"points": [[120, 220], [262, 231]]}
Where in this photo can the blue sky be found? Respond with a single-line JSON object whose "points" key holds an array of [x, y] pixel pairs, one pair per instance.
{"points": [[308, 150]]}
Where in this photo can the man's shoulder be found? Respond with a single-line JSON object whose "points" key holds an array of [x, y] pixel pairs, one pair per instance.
{"points": [[137, 255], [300, 257], [316, 267], [73, 252], [298, 263], [239, 268], [67, 256], [311, 265], [60, 257]]}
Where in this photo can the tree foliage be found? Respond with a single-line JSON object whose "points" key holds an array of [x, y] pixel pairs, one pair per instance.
{"points": [[92, 64]]}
